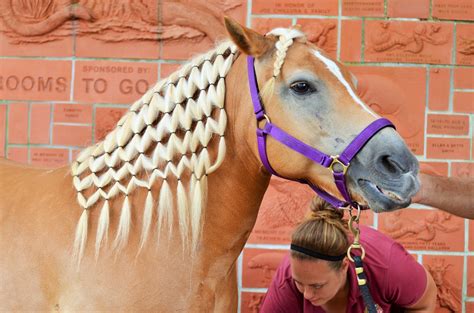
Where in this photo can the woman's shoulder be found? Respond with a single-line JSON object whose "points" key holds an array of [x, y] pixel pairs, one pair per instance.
{"points": [[378, 246]]}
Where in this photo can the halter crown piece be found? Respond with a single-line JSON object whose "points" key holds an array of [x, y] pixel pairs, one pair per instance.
{"points": [[317, 156]]}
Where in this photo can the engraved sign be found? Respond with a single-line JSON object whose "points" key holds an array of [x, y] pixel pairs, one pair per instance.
{"points": [[424, 229], [448, 124], [411, 42], [49, 158], [363, 7], [34, 79], [303, 7], [113, 82], [73, 113], [448, 148], [453, 10], [465, 44]]}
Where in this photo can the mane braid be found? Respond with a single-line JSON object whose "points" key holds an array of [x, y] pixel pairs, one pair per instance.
{"points": [[163, 137]]}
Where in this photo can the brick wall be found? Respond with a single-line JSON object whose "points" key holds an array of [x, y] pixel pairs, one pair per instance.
{"points": [[64, 87]]}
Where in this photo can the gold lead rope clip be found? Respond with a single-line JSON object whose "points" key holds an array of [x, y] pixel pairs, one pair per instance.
{"points": [[353, 224]]}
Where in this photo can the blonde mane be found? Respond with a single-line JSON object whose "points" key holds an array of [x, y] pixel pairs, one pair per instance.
{"points": [[164, 136]]}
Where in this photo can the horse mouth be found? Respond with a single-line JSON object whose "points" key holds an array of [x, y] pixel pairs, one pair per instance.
{"points": [[381, 199]]}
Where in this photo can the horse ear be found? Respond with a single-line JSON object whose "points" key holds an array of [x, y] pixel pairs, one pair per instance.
{"points": [[248, 41]]}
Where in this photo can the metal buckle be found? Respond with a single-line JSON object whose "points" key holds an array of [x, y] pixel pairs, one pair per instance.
{"points": [[335, 160], [267, 121]]}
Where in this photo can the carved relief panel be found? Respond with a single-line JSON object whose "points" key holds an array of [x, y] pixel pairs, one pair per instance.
{"points": [[399, 95], [124, 28], [411, 42]]}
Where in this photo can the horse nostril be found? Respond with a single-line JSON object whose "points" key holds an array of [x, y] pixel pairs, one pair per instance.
{"points": [[391, 165]]}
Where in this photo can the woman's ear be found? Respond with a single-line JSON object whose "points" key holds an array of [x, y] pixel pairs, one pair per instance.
{"points": [[250, 42]]}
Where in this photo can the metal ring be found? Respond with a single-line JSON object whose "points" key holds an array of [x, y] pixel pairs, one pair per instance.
{"points": [[358, 246], [267, 120], [335, 160]]}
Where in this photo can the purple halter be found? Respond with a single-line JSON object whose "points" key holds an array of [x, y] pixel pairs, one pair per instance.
{"points": [[319, 157]]}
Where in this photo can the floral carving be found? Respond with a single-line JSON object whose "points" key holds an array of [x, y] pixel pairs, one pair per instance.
{"points": [[448, 294]]}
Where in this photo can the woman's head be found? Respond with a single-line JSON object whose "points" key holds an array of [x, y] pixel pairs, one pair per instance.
{"points": [[319, 245]]}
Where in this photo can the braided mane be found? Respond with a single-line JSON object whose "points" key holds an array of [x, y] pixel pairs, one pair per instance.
{"points": [[164, 138]]}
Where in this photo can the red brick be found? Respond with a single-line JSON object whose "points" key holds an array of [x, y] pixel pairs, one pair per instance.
{"points": [[113, 82], [434, 168], [34, 79], [18, 154], [453, 9], [126, 33], [403, 41], [363, 8], [105, 120], [462, 169], [447, 273], [440, 82], [471, 235], [182, 43], [264, 25], [3, 128], [284, 205], [48, 157], [409, 8], [66, 135], [470, 277], [464, 78], [463, 102], [418, 229], [250, 302], [351, 40], [168, 68], [469, 306], [464, 48], [18, 123], [445, 124], [300, 7], [40, 120], [322, 33], [259, 266], [448, 148], [73, 113], [397, 93], [57, 43]]}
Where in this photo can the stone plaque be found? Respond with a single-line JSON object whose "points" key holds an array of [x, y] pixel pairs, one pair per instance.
{"points": [[259, 266], [453, 10], [363, 7], [298, 7], [73, 113]]}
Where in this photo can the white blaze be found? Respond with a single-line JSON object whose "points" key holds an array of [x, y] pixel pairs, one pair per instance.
{"points": [[332, 66]]}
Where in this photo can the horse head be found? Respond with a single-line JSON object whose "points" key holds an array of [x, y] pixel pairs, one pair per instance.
{"points": [[311, 97]]}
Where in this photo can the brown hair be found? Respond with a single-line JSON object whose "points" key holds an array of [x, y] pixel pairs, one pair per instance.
{"points": [[324, 231]]}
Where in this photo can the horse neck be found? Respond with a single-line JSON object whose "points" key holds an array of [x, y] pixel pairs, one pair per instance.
{"points": [[237, 188]]}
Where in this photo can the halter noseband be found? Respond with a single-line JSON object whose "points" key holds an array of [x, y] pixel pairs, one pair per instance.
{"points": [[330, 162]]}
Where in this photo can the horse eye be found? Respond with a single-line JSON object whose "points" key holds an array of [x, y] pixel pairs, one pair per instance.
{"points": [[301, 87]]}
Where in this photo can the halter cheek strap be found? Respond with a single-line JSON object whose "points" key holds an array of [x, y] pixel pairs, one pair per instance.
{"points": [[330, 162]]}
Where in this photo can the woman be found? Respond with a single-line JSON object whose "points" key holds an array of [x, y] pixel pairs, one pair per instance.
{"points": [[317, 276]]}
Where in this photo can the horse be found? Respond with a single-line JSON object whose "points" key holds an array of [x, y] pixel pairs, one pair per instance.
{"points": [[178, 183]]}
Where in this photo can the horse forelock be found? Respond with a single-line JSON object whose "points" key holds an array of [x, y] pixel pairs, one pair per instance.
{"points": [[164, 136]]}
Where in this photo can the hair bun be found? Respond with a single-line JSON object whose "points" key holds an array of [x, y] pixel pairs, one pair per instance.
{"points": [[321, 209]]}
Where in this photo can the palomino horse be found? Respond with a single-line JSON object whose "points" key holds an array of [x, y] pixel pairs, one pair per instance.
{"points": [[177, 211]]}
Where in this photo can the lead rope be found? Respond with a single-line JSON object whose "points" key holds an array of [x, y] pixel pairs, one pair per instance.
{"points": [[353, 223]]}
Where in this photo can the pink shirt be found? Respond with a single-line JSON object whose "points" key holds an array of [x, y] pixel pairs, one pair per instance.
{"points": [[395, 280]]}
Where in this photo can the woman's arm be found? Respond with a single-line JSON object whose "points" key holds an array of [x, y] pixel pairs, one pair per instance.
{"points": [[427, 302], [451, 194]]}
